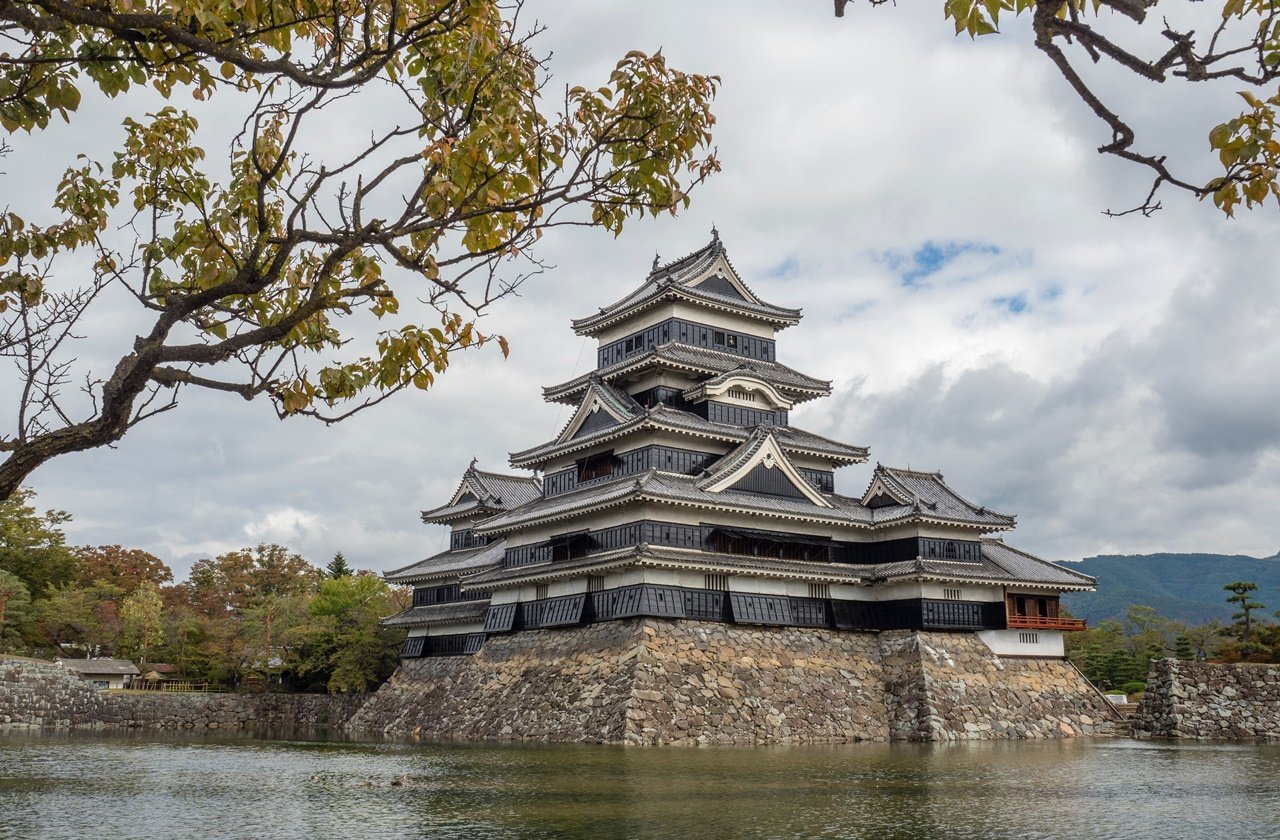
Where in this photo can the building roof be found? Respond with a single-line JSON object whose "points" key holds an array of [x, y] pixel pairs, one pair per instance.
{"points": [[100, 666], [685, 490], [1000, 563], [900, 494], [481, 492], [449, 564], [671, 558], [662, 417], [699, 361], [683, 279], [438, 614]]}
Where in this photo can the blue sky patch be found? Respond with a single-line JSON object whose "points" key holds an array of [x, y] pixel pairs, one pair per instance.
{"points": [[930, 258], [786, 268], [1013, 304]]}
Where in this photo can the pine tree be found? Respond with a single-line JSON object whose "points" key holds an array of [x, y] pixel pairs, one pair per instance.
{"points": [[1240, 590], [338, 567], [1182, 648]]}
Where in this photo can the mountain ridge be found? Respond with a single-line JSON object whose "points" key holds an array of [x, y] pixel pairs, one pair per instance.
{"points": [[1184, 586]]}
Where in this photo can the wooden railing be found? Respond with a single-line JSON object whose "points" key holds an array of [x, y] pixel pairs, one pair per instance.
{"points": [[1044, 622]]}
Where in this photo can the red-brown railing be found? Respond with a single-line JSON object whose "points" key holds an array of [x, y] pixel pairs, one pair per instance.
{"points": [[1044, 622]]}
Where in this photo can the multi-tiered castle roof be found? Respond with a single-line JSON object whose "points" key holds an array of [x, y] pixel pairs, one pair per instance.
{"points": [[680, 489]]}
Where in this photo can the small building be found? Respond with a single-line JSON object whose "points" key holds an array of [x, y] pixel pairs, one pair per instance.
{"points": [[103, 673]]}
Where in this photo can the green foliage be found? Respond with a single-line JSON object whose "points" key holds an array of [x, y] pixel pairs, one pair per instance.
{"points": [[32, 545], [1246, 605], [345, 641], [15, 608], [142, 614], [1183, 648]]}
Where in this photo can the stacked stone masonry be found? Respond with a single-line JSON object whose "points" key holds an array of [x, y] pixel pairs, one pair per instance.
{"points": [[652, 681], [42, 695], [1205, 700]]}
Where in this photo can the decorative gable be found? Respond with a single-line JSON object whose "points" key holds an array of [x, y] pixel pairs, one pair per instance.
{"points": [[720, 278], [760, 466], [879, 494], [601, 408]]}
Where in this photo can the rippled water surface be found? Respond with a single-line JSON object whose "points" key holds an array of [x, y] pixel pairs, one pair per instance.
{"points": [[155, 787]]}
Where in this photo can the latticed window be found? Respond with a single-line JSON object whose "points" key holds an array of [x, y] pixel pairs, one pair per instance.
{"points": [[595, 583], [541, 591], [719, 583], [819, 590], [951, 594]]}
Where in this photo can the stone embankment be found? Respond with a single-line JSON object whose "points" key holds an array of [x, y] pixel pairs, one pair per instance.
{"points": [[646, 681], [1204, 700], [42, 695]]}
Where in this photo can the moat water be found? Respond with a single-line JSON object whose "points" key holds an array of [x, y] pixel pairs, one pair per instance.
{"points": [[153, 786]]}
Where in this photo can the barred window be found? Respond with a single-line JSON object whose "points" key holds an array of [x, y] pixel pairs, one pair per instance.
{"points": [[595, 583], [819, 590], [951, 594], [719, 583], [541, 591]]}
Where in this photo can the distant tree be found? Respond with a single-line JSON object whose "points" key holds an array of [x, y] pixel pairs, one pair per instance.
{"points": [[32, 545], [345, 639], [81, 617], [124, 568], [338, 567], [1183, 649], [240, 579], [1244, 601], [15, 605], [142, 614]]}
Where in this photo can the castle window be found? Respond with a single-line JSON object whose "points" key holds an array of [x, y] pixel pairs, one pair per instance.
{"points": [[950, 551], [541, 591], [719, 338], [1028, 638], [951, 594], [596, 466], [595, 583], [731, 341], [719, 583], [819, 590]]}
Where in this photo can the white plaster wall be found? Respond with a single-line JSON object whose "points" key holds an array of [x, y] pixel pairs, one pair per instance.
{"points": [[687, 312], [1007, 642]]}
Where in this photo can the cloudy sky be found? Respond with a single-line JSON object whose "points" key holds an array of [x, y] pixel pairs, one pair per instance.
{"points": [[934, 205]]}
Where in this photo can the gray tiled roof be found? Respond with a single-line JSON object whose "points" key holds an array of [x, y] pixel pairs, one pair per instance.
{"points": [[999, 564], [926, 494], [450, 563], [662, 556], [671, 280], [492, 491], [100, 666], [797, 386], [685, 490], [664, 417], [438, 614]]}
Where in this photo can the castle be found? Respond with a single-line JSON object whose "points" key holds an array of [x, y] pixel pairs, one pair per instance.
{"points": [[680, 496]]}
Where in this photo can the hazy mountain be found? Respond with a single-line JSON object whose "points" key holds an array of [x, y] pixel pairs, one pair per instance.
{"points": [[1187, 587]]}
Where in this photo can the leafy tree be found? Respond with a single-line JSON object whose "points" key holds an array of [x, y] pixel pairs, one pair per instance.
{"points": [[338, 567], [32, 545], [1183, 648], [143, 616], [1244, 618], [1231, 41], [15, 605], [124, 568], [83, 617], [252, 265], [345, 639], [240, 579]]}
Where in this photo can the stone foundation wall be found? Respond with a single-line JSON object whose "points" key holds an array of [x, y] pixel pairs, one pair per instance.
{"points": [[650, 681], [43, 695], [1203, 700], [950, 686]]}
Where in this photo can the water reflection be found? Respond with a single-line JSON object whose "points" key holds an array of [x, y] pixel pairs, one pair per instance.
{"points": [[162, 787]]}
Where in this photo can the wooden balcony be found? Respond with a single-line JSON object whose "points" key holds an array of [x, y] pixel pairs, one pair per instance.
{"points": [[1044, 622]]}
